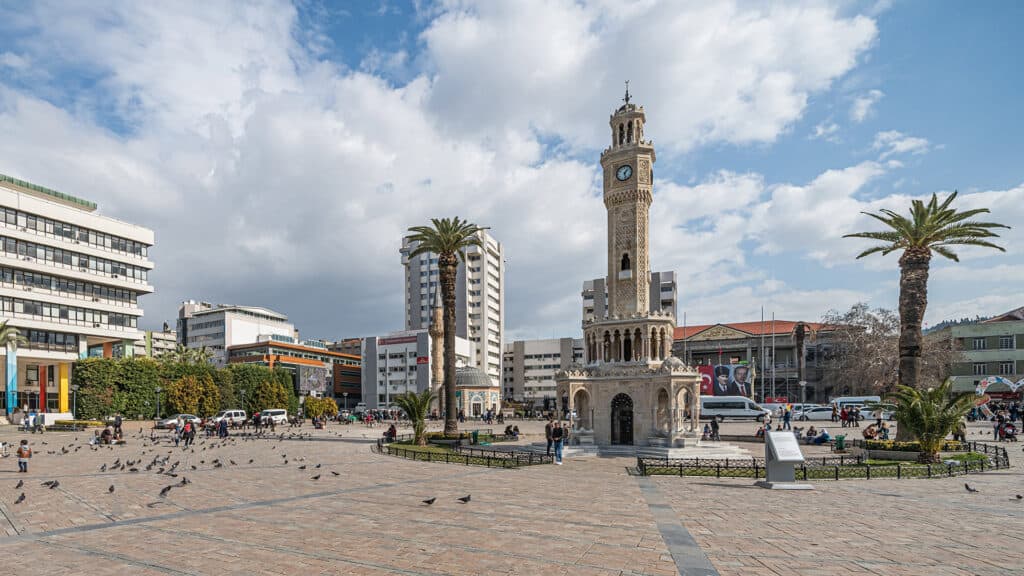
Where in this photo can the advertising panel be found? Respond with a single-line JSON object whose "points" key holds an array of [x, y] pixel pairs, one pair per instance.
{"points": [[313, 379], [729, 380]]}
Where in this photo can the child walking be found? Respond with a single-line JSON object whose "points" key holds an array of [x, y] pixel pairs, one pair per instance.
{"points": [[24, 453]]}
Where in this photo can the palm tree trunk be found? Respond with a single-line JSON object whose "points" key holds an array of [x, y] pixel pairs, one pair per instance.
{"points": [[913, 301], [448, 268], [914, 266]]}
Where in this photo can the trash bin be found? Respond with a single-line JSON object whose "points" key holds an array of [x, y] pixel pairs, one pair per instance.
{"points": [[475, 434], [840, 443]]}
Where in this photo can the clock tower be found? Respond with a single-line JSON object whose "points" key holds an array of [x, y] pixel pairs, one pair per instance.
{"points": [[628, 174]]}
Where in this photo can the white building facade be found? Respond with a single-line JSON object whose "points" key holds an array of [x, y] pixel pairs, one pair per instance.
{"points": [[70, 281], [219, 326], [663, 296], [479, 298], [401, 362], [529, 368]]}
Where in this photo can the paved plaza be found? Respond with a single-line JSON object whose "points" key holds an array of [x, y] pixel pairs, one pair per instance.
{"points": [[261, 515]]}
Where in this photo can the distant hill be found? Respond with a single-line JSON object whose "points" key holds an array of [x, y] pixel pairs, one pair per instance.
{"points": [[948, 323]]}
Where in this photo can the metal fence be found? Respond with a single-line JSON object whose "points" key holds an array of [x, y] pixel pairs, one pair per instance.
{"points": [[464, 455], [825, 468]]}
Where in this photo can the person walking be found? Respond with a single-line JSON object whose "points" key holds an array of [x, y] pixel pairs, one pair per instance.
{"points": [[714, 430], [547, 435], [835, 413], [24, 453], [558, 436], [787, 416], [843, 417], [117, 424]]}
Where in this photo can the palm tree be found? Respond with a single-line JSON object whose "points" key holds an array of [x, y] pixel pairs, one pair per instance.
{"points": [[448, 238], [930, 415], [416, 407], [932, 227]]}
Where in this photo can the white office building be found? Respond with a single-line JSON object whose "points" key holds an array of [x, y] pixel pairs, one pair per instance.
{"points": [[479, 298], [70, 281], [220, 326], [400, 362], [530, 365], [663, 296]]}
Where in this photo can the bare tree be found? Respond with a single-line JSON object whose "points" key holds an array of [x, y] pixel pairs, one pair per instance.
{"points": [[862, 357]]}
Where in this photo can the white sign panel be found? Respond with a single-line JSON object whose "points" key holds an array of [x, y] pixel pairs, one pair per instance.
{"points": [[785, 447]]}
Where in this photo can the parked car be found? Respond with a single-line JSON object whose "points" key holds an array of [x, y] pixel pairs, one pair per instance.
{"points": [[815, 413], [275, 415], [172, 421], [723, 407], [232, 416]]}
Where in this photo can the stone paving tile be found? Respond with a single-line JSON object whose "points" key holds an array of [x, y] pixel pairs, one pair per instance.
{"points": [[587, 517]]}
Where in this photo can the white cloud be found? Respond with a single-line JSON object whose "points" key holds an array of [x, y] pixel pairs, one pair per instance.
{"points": [[825, 131], [13, 61], [892, 142], [863, 104]]}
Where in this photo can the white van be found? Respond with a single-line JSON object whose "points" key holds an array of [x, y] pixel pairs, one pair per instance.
{"points": [[232, 416], [723, 407], [275, 415]]}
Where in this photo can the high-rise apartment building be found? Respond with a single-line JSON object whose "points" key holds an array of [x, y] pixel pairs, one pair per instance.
{"points": [[218, 326], [530, 365], [663, 296], [70, 281], [401, 362], [479, 298]]}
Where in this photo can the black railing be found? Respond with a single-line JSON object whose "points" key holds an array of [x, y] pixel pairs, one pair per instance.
{"points": [[464, 456], [826, 468]]}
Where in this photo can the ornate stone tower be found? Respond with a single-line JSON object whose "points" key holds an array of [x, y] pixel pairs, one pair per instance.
{"points": [[630, 333], [627, 168]]}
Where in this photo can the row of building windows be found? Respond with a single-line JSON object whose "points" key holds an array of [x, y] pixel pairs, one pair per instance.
{"points": [[69, 288], [1005, 343], [84, 262], [65, 314], [210, 324], [200, 338], [51, 341], [1005, 368], [57, 229]]}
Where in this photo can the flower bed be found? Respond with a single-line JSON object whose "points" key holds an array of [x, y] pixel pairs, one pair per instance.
{"points": [[77, 424]]}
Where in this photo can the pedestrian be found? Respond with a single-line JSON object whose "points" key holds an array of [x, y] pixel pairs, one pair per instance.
{"points": [[855, 417], [558, 436], [177, 435], [117, 424], [787, 416], [843, 416], [223, 428], [24, 453], [835, 413], [187, 433], [257, 422], [547, 435], [714, 429]]}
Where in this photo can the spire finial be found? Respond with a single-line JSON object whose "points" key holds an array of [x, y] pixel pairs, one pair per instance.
{"points": [[626, 98]]}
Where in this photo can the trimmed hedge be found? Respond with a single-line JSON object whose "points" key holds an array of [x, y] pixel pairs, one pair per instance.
{"points": [[894, 446], [84, 423]]}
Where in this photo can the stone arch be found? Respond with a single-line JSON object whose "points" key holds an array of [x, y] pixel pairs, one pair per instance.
{"points": [[625, 265], [629, 132], [606, 345], [622, 419], [622, 134], [663, 412], [581, 404], [627, 346], [638, 339]]}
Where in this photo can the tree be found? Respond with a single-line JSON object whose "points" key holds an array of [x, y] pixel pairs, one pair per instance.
{"points": [[317, 407], [932, 228], [930, 415], [194, 395], [416, 407], [267, 394], [448, 238], [862, 352]]}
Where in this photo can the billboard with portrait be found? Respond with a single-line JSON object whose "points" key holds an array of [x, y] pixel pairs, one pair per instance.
{"points": [[725, 380], [313, 379]]}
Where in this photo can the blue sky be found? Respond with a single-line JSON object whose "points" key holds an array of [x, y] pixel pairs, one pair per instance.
{"points": [[303, 139]]}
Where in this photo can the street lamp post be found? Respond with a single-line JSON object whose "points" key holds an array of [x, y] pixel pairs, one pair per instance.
{"points": [[158, 390], [345, 395], [242, 392], [74, 396]]}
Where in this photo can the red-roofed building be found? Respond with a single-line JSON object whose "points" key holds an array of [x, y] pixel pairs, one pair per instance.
{"points": [[741, 343]]}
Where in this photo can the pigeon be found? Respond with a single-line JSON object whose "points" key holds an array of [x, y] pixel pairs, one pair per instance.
{"points": [[335, 473], [54, 485], [968, 487], [303, 467], [133, 469], [233, 463], [20, 499], [1019, 497], [48, 483], [111, 489], [317, 477], [250, 460], [103, 468], [465, 499], [164, 492], [20, 484], [317, 465], [430, 501], [185, 481], [193, 466], [218, 465]]}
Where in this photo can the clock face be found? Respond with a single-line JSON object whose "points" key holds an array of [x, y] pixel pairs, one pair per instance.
{"points": [[624, 172]]}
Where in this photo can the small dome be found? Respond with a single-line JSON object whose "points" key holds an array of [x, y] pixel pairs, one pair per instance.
{"points": [[471, 377]]}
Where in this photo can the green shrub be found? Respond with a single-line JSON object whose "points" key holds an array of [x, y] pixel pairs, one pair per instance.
{"points": [[894, 446], [83, 423]]}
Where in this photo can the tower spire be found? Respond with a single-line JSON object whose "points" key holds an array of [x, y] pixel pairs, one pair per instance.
{"points": [[626, 97]]}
